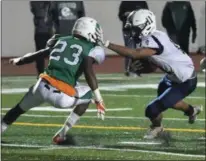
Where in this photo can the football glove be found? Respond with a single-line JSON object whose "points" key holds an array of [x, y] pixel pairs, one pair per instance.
{"points": [[99, 104], [100, 109], [136, 66], [100, 40], [15, 61]]}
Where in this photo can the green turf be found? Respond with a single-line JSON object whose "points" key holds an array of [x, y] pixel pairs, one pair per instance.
{"points": [[105, 134]]}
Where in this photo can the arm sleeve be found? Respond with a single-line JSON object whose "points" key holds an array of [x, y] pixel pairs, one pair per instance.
{"points": [[52, 41], [153, 43], [98, 54]]}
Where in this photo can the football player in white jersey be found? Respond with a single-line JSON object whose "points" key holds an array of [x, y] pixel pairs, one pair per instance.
{"points": [[180, 79]]}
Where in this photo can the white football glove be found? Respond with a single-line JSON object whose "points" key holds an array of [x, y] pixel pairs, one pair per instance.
{"points": [[100, 40], [99, 104], [100, 109], [15, 61]]}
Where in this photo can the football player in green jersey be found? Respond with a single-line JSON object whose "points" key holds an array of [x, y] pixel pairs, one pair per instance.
{"points": [[69, 58]]}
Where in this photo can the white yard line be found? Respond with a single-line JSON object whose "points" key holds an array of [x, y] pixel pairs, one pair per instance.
{"points": [[106, 117], [126, 150], [53, 109], [24, 145], [23, 90], [145, 96], [53, 147], [99, 76], [139, 143]]}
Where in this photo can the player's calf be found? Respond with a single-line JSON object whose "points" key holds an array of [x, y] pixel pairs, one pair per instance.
{"points": [[61, 136], [189, 110], [154, 113], [11, 116]]}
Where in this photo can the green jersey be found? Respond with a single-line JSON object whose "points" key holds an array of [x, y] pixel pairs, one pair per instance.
{"points": [[66, 57]]}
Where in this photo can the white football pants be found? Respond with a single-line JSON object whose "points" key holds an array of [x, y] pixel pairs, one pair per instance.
{"points": [[43, 92]]}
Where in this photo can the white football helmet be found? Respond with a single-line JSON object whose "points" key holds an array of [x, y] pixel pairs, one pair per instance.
{"points": [[142, 23], [88, 27]]}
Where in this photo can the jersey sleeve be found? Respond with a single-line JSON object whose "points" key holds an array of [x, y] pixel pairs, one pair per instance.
{"points": [[153, 43], [98, 54], [52, 41]]}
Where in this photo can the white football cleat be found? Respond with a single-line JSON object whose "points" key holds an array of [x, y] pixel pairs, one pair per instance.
{"points": [[57, 139], [193, 117], [153, 132], [4, 126]]}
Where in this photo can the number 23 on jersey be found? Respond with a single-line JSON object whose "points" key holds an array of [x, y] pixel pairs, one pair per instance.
{"points": [[60, 47]]}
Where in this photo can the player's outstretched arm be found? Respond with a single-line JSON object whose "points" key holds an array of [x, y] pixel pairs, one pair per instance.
{"points": [[30, 57], [92, 82], [133, 53], [125, 51]]}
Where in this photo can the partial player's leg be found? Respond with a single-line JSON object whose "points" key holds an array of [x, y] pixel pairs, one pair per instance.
{"points": [[171, 97], [189, 110], [61, 136], [28, 101], [61, 100]]}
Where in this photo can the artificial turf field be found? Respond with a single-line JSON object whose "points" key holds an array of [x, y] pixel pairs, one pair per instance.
{"points": [[119, 136]]}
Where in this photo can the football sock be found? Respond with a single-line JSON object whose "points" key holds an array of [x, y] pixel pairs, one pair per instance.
{"points": [[157, 121], [189, 111], [12, 115], [69, 123], [4, 126]]}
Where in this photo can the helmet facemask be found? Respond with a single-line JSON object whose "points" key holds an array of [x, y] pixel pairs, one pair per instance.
{"points": [[140, 24], [87, 28]]}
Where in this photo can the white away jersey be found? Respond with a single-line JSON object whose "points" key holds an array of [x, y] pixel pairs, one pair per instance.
{"points": [[170, 58], [98, 54]]}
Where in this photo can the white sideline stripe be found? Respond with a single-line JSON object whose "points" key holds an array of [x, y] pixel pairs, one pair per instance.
{"points": [[24, 145], [138, 86], [145, 96], [23, 90], [51, 108], [139, 143], [107, 117], [103, 87], [202, 138], [101, 76], [126, 150], [53, 147]]}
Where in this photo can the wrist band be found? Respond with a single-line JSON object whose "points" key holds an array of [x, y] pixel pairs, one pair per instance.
{"points": [[106, 44], [97, 95]]}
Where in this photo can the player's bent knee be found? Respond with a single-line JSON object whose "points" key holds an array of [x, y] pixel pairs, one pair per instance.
{"points": [[154, 109], [65, 102]]}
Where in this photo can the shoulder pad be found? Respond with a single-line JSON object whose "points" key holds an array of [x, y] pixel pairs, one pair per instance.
{"points": [[52, 41]]}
